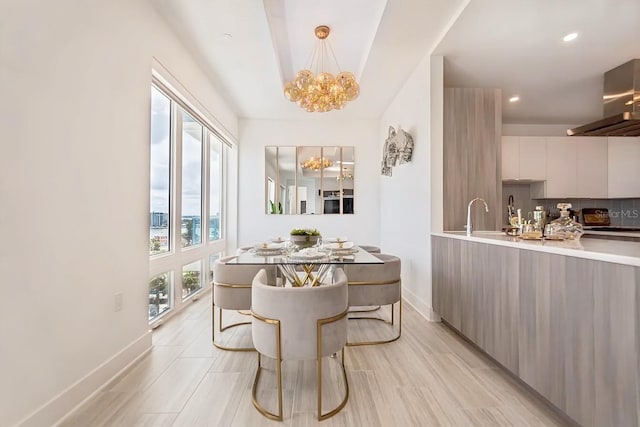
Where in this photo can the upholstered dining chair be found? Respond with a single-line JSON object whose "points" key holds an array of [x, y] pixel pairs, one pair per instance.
{"points": [[376, 285], [232, 291], [299, 323], [243, 249], [370, 249]]}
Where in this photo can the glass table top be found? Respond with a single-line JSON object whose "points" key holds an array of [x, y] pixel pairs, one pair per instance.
{"points": [[355, 256]]}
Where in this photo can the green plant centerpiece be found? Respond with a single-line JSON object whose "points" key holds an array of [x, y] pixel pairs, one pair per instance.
{"points": [[304, 237]]}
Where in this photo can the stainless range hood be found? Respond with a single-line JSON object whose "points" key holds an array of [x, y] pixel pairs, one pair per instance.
{"points": [[621, 104]]}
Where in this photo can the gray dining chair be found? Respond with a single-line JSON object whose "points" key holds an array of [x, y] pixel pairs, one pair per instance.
{"points": [[232, 291], [370, 249], [376, 285], [302, 323]]}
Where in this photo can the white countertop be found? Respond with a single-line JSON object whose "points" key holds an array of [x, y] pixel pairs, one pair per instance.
{"points": [[615, 251], [613, 233]]}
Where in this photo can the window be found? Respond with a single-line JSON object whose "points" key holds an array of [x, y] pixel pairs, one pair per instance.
{"points": [[187, 184], [191, 181], [191, 278], [159, 215], [215, 188], [160, 294]]}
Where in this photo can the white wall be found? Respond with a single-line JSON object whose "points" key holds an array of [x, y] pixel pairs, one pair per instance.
{"points": [[405, 211], [319, 130], [74, 186]]}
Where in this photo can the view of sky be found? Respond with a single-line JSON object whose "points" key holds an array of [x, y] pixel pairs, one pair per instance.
{"points": [[191, 160]]}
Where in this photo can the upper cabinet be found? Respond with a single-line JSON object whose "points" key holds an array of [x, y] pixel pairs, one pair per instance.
{"points": [[623, 170], [591, 167], [561, 168], [576, 168], [524, 158]]}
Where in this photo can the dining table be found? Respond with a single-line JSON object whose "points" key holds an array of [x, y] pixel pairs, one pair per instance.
{"points": [[307, 267]]}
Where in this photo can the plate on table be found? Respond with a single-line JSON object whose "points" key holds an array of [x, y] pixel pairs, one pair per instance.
{"points": [[308, 254], [343, 252], [268, 253], [334, 239], [264, 247], [339, 245]]}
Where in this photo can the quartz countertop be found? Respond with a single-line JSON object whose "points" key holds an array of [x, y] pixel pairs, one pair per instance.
{"points": [[613, 233], [615, 251]]}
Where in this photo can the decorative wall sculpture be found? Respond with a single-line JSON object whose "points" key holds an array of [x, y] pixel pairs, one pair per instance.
{"points": [[398, 149]]}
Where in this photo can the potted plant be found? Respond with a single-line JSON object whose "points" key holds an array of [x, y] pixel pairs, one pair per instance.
{"points": [[304, 237]]}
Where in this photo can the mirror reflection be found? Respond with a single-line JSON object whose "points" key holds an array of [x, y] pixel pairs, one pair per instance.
{"points": [[309, 180]]}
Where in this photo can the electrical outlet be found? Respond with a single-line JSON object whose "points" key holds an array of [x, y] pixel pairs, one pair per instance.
{"points": [[117, 301]]}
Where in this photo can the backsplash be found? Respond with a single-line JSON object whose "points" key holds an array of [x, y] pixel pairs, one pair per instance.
{"points": [[622, 212]]}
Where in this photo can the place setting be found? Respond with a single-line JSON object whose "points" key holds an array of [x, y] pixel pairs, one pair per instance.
{"points": [[268, 249]]}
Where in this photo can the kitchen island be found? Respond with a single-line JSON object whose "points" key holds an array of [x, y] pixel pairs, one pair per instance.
{"points": [[564, 317]]}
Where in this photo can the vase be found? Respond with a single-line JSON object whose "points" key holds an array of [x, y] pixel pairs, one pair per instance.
{"points": [[304, 241]]}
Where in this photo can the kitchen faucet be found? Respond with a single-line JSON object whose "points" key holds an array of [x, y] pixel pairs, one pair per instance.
{"points": [[468, 226]]}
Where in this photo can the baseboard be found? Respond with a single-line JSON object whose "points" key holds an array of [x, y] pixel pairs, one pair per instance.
{"points": [[420, 306], [59, 407]]}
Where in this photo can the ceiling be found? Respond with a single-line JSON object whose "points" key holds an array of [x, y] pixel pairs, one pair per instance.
{"points": [[250, 48]]}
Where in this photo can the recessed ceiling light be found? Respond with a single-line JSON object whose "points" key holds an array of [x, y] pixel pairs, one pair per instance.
{"points": [[570, 36], [227, 36], [514, 99]]}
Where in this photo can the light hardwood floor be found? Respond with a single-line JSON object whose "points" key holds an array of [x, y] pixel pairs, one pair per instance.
{"points": [[430, 377]]}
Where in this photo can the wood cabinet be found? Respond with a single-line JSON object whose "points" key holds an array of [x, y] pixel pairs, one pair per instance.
{"points": [[524, 158], [623, 170], [568, 327], [471, 155], [541, 325]]}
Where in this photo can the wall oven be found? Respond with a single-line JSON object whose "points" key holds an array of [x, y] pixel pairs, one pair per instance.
{"points": [[332, 205]]}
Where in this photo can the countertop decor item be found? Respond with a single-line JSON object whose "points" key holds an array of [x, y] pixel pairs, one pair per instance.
{"points": [[564, 226], [322, 92]]}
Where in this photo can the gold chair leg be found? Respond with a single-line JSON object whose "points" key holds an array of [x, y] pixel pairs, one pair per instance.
{"points": [[354, 344], [338, 408], [254, 389], [221, 329]]}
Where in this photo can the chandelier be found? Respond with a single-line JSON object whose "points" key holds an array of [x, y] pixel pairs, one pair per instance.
{"points": [[316, 163], [344, 174], [322, 92]]}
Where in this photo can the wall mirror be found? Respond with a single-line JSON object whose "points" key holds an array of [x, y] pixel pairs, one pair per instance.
{"points": [[308, 180]]}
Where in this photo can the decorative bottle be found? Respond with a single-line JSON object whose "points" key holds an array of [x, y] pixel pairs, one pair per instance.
{"points": [[564, 227]]}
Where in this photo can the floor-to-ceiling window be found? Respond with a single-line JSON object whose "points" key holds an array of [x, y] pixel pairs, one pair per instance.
{"points": [[187, 165]]}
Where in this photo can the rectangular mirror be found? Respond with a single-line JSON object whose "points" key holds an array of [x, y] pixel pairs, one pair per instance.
{"points": [[309, 180]]}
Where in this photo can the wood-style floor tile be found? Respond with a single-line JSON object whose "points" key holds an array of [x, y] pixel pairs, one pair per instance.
{"points": [[430, 377]]}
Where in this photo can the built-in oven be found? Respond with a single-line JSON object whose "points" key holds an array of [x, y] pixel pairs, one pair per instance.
{"points": [[332, 205]]}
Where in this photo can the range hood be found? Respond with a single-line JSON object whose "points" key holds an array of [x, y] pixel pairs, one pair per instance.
{"points": [[621, 104]]}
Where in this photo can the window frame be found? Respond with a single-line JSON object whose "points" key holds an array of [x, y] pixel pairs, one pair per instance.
{"points": [[177, 257]]}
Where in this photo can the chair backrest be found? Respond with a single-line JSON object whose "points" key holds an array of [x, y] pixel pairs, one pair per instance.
{"points": [[232, 283], [298, 310], [370, 249], [243, 249], [375, 284]]}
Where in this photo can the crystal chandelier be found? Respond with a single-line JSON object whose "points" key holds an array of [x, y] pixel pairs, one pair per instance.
{"points": [[344, 174], [316, 163], [322, 92]]}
